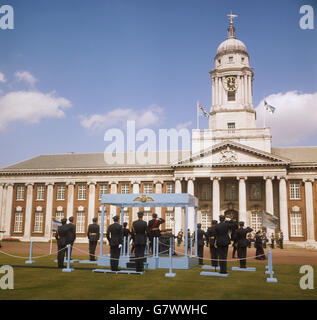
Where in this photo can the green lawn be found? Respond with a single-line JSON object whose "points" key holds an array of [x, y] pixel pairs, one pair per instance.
{"points": [[52, 283]]}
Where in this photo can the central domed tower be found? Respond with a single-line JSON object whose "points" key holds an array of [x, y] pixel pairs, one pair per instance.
{"points": [[232, 80], [232, 115]]}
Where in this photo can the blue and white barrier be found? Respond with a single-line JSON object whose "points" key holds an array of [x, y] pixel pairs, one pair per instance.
{"points": [[30, 256]]}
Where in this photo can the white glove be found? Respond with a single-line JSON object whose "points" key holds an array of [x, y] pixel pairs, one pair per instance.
{"points": [[228, 219], [120, 245]]}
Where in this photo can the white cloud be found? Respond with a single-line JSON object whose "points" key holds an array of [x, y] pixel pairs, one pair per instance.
{"points": [[184, 125], [294, 119], [30, 107], [2, 77], [25, 76], [152, 116]]}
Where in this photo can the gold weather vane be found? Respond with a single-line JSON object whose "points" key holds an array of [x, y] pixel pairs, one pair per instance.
{"points": [[231, 17]]}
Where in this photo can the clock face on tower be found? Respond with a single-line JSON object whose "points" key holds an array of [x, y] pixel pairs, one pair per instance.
{"points": [[230, 83]]}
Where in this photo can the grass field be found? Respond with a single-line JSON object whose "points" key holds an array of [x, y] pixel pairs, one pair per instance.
{"points": [[43, 280]]}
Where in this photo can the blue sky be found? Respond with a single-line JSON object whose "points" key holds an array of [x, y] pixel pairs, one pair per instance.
{"points": [[93, 57]]}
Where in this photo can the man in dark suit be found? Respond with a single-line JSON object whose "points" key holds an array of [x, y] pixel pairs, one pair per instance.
{"points": [[211, 241], [242, 241], [201, 234], [154, 229], [114, 236], [223, 241], [93, 235], [62, 237], [72, 233], [140, 231], [233, 238]]}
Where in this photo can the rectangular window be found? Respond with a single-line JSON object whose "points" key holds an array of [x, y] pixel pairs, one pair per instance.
{"points": [[40, 193], [18, 222], [126, 216], [125, 188], [147, 188], [256, 221], [59, 215], [296, 224], [80, 222], [231, 96], [104, 221], [231, 127], [231, 191], [294, 190], [38, 222], [147, 216], [230, 59], [103, 189], [20, 193], [81, 192], [60, 192], [205, 220], [170, 188], [206, 191], [169, 220]]}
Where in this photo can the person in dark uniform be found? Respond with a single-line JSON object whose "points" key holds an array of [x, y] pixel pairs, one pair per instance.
{"points": [[211, 241], [154, 229], [241, 237], [201, 235], [114, 236], [126, 233], [93, 235], [280, 239], [265, 240], [259, 247], [189, 240], [179, 238], [63, 238], [272, 240], [249, 239], [140, 231], [234, 243], [72, 229], [223, 241]]}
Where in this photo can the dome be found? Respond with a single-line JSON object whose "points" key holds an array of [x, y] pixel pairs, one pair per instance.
{"points": [[230, 45]]}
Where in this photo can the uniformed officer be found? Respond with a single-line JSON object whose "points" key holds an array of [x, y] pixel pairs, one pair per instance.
{"points": [[154, 228], [63, 238], [140, 231], [201, 235], [259, 247], [272, 240], [114, 236], [233, 238], [126, 233], [223, 241], [241, 237], [211, 241], [93, 235], [280, 239], [72, 234]]}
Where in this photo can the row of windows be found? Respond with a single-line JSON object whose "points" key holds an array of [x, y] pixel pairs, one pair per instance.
{"points": [[81, 191], [230, 60]]}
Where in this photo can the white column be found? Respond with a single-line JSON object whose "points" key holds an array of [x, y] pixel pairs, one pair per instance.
{"points": [[113, 209], [215, 198], [91, 203], [250, 89], [220, 91], [213, 91], [191, 210], [8, 209], [158, 189], [242, 199], [1, 205], [135, 189], [178, 210], [245, 89], [216, 91], [283, 207], [269, 205], [70, 198], [309, 210], [240, 89], [49, 210], [28, 211]]}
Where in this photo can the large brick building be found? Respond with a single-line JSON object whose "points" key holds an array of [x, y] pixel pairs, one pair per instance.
{"points": [[232, 169]]}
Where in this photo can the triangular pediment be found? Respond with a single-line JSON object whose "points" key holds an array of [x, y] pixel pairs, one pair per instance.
{"points": [[231, 154]]}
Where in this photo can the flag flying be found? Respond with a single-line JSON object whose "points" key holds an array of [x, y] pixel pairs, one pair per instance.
{"points": [[269, 221], [205, 113], [55, 224], [269, 108]]}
